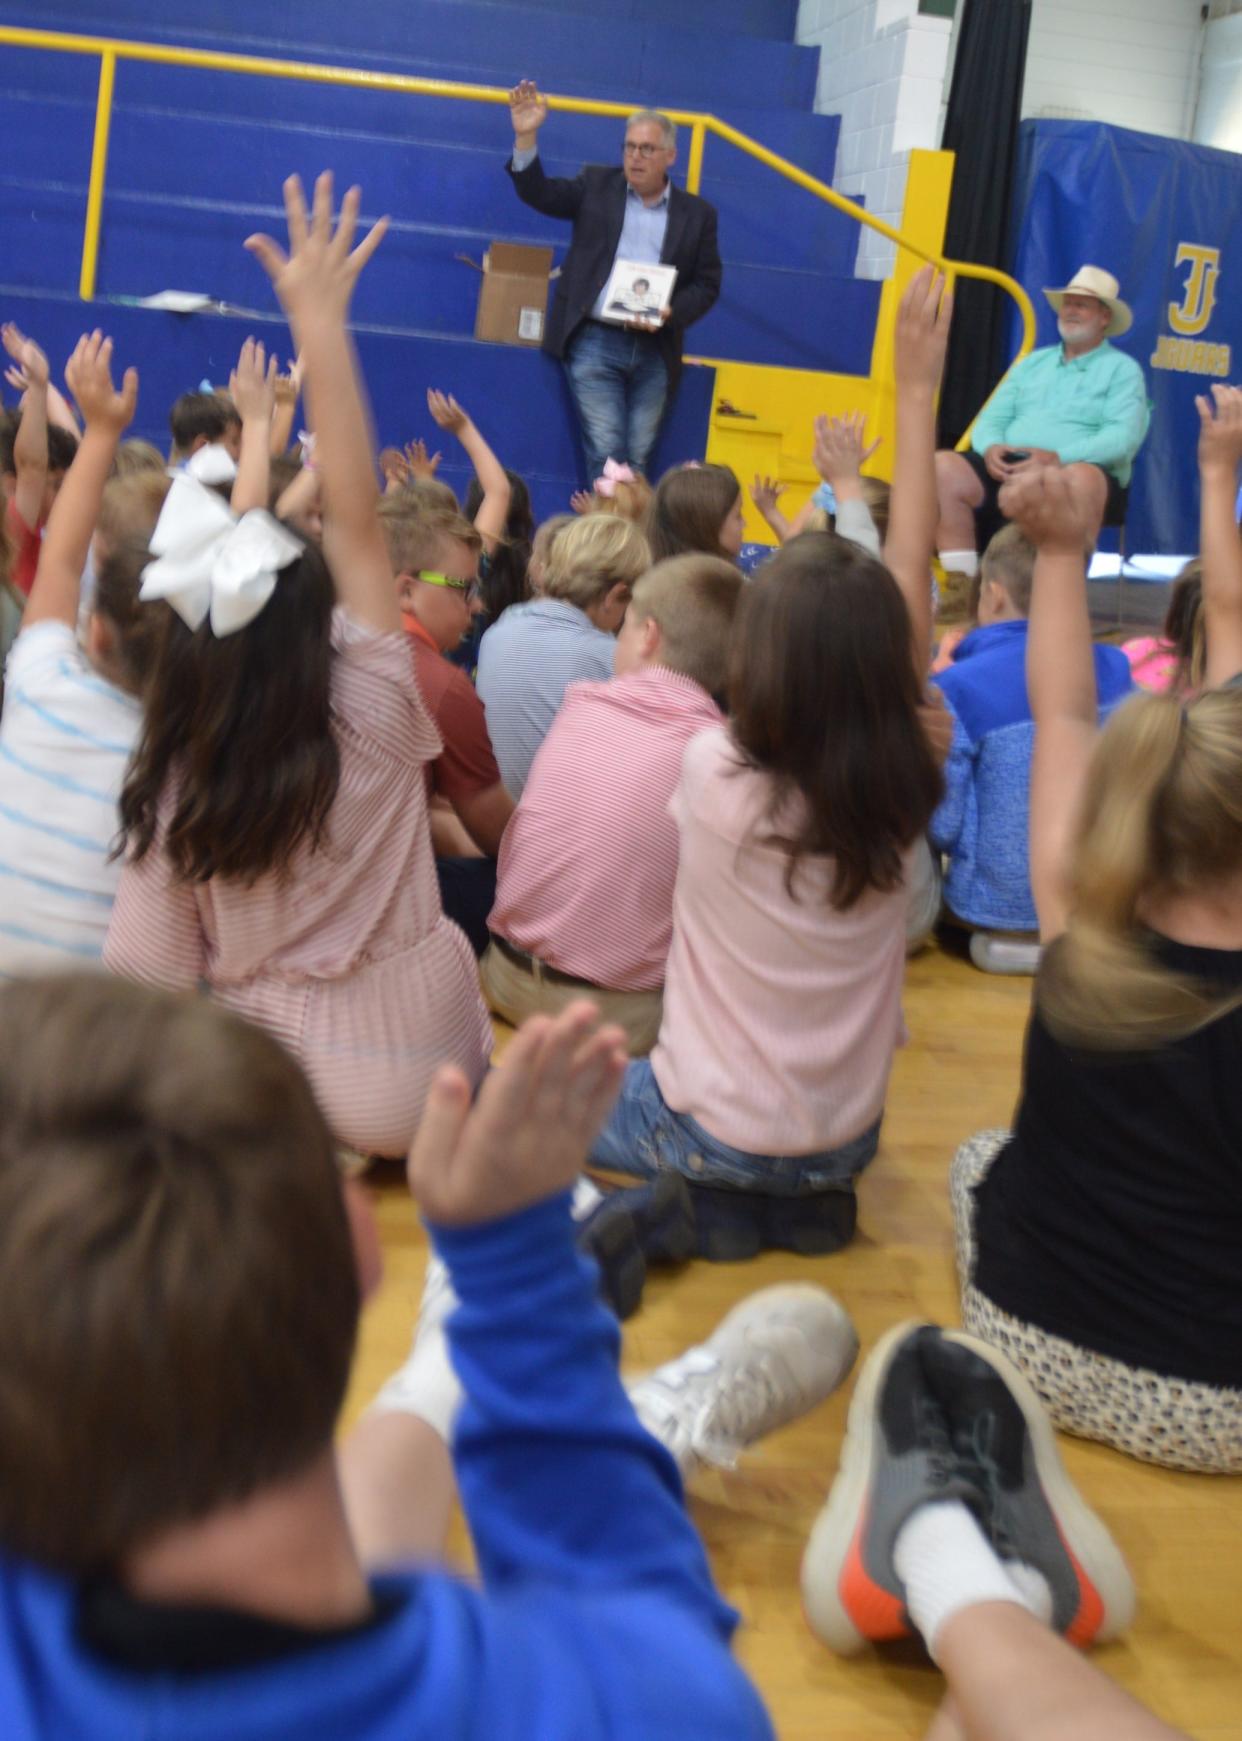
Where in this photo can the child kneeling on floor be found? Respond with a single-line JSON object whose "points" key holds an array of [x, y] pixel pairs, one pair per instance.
{"points": [[799, 823]]}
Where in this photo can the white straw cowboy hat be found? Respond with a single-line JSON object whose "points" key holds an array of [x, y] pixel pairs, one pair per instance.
{"points": [[1094, 281]]}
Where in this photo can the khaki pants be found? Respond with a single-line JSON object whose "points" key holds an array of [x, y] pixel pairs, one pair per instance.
{"points": [[517, 992]]}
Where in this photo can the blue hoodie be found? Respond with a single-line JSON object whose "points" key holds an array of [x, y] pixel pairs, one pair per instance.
{"points": [[983, 822], [597, 1617]]}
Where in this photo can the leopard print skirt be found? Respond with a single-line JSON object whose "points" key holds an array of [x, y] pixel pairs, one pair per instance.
{"points": [[1159, 1420]]}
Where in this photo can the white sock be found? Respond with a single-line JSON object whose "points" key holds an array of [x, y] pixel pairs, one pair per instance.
{"points": [[946, 1565], [1033, 1588], [426, 1385], [960, 562]]}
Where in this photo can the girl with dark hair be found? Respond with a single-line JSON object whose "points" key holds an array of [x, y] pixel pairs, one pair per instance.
{"points": [[696, 508], [503, 566], [276, 813], [799, 823]]}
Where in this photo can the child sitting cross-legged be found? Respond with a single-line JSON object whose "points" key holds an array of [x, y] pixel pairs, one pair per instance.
{"points": [[981, 823], [799, 823], [435, 557], [529, 657], [183, 1550], [71, 711], [1099, 1241], [584, 896], [276, 809]]}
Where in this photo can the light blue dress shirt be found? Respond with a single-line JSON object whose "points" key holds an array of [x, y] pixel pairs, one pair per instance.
{"points": [[642, 230]]}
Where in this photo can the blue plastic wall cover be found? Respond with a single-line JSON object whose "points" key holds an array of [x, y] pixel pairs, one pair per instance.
{"points": [[1163, 217]]}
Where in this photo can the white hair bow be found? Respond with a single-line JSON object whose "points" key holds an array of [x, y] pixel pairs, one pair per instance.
{"points": [[209, 562]]}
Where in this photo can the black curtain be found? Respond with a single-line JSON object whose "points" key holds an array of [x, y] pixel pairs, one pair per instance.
{"points": [[981, 126]]}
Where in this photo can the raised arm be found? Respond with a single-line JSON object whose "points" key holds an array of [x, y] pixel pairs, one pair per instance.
{"points": [[288, 392], [315, 282], [1220, 547], [252, 388], [107, 414], [922, 336], [554, 196], [766, 493], [493, 514], [30, 445], [840, 452], [1060, 680], [559, 1481]]}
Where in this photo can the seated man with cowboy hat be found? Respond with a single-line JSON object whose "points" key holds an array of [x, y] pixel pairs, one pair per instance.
{"points": [[1079, 404]]}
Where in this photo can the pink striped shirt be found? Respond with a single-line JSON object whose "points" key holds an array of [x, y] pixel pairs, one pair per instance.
{"points": [[781, 1016], [589, 859], [348, 959]]}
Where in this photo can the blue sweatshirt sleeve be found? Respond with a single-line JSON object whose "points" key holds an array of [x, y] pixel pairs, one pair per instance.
{"points": [[559, 1481]]}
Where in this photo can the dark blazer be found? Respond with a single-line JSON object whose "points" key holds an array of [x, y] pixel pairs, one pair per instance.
{"points": [[594, 200]]}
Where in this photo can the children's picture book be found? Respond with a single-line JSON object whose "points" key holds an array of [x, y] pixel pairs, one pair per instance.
{"points": [[636, 288]]}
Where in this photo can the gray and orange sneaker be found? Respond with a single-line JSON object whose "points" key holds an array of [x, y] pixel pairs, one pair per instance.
{"points": [[1031, 1511], [939, 1415], [898, 1454]]}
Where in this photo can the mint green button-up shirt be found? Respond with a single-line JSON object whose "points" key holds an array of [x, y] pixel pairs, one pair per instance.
{"points": [[1092, 407]]}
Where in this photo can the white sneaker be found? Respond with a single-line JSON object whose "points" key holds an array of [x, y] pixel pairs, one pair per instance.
{"points": [[769, 1361]]}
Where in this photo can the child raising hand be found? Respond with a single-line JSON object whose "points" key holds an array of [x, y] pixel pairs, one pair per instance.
{"points": [[276, 811]]}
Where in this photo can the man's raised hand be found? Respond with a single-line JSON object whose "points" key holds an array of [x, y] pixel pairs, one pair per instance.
{"points": [[317, 276], [89, 376], [527, 109], [531, 1128]]}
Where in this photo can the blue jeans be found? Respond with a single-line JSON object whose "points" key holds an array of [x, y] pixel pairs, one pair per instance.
{"points": [[645, 1136], [619, 384]]}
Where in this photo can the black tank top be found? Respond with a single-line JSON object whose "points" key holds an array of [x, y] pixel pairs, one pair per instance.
{"points": [[1113, 1216]]}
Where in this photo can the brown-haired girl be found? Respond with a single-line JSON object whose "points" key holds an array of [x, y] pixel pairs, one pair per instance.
{"points": [[696, 508], [1099, 1243], [798, 822], [71, 713], [276, 811]]}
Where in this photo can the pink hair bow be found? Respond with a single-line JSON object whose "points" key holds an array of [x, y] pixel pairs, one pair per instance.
{"points": [[614, 473]]}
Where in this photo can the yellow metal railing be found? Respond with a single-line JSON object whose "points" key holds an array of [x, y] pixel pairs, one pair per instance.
{"points": [[110, 51]]}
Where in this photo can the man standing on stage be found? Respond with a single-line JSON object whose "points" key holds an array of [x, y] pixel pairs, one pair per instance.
{"points": [[622, 375]]}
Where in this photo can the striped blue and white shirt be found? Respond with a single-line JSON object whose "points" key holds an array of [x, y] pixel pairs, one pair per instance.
{"points": [[66, 737]]}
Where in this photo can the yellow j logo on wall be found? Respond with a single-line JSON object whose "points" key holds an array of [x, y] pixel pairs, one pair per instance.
{"points": [[1187, 353], [1190, 316]]}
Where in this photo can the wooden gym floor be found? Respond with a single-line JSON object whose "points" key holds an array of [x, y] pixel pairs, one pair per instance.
{"points": [[1182, 1534]]}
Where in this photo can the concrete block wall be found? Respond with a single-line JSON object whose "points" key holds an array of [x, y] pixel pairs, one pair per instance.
{"points": [[882, 69]]}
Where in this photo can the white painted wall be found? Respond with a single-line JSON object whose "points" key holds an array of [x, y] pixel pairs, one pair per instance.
{"points": [[1131, 63], [1219, 118], [882, 69]]}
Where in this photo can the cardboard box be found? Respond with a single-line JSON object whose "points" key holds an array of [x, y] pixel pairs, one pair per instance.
{"points": [[513, 296]]}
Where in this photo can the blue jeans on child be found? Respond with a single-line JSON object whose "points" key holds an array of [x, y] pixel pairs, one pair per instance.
{"points": [[619, 386], [645, 1136]]}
